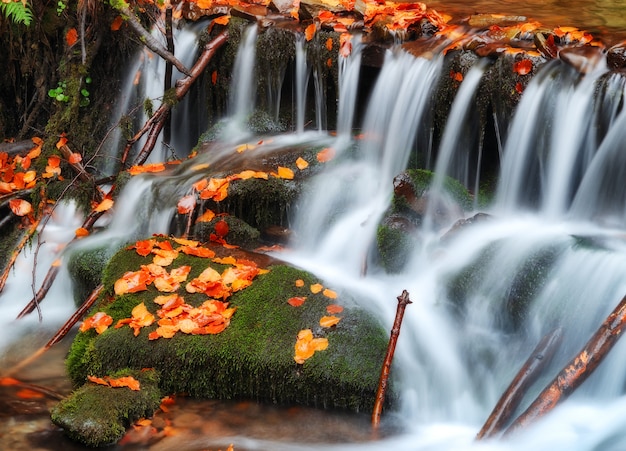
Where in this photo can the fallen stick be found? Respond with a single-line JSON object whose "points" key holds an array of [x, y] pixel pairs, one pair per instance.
{"points": [[61, 333], [525, 377], [403, 301], [577, 370]]}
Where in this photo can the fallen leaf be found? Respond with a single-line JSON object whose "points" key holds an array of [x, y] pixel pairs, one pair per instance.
{"points": [[117, 23], [334, 308], [326, 155], [71, 37], [105, 205], [329, 321], [523, 67], [301, 163], [222, 20], [81, 231], [309, 32], [316, 288], [299, 283], [296, 301], [329, 293], [20, 207]]}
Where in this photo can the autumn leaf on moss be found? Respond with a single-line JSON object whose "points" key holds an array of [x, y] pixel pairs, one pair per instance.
{"points": [[334, 308], [62, 141], [100, 321], [309, 31], [132, 282], [20, 207], [329, 293], [141, 317], [316, 288], [71, 37], [326, 155], [523, 67], [296, 301], [299, 283], [329, 321], [301, 163], [207, 216], [306, 345], [124, 381], [284, 173]]}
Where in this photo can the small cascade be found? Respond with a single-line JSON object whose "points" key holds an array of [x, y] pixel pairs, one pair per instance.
{"points": [[551, 254], [302, 82], [145, 86], [243, 95]]}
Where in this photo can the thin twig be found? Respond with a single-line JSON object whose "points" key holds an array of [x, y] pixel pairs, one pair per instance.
{"points": [[403, 301]]}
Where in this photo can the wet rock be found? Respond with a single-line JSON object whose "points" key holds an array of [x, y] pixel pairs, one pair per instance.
{"points": [[616, 56], [253, 358], [583, 59], [463, 224], [546, 44], [98, 415]]}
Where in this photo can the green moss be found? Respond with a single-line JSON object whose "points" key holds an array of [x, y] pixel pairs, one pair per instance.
{"points": [[85, 267], [239, 232], [97, 415], [394, 247], [253, 357]]}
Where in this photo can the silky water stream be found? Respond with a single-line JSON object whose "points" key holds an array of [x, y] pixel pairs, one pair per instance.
{"points": [[558, 221]]}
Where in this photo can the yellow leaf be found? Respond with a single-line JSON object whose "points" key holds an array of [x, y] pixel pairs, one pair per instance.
{"points": [[329, 321], [329, 293], [285, 173], [316, 288], [301, 163], [105, 205]]}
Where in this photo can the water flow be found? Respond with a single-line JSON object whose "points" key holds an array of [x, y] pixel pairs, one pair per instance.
{"points": [[243, 93], [302, 82], [144, 84], [349, 69]]}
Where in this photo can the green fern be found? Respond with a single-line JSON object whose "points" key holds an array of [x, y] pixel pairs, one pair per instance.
{"points": [[17, 12]]}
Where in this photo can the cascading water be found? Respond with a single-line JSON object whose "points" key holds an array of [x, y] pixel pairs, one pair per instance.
{"points": [[555, 230]]}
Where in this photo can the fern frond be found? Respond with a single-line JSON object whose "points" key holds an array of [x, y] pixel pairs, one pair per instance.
{"points": [[17, 12]]}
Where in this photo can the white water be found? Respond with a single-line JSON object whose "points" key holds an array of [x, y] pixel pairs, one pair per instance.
{"points": [[454, 368]]}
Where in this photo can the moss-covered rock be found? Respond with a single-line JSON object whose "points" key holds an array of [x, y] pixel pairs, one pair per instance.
{"points": [[85, 267], [239, 233], [253, 358], [412, 200], [98, 415]]}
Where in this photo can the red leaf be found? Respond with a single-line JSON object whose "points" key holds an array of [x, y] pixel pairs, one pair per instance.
{"points": [[523, 67], [221, 228], [296, 301], [71, 37]]}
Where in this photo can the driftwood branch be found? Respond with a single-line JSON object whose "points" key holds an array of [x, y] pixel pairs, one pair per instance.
{"points": [[155, 124], [578, 369], [403, 301], [148, 39], [526, 376]]}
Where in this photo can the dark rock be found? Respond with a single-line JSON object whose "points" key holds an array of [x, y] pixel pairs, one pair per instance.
{"points": [[616, 56]]}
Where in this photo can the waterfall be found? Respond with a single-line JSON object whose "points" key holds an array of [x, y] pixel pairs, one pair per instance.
{"points": [[552, 252]]}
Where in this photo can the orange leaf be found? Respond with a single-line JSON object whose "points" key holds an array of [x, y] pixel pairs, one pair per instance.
{"points": [[301, 163], [81, 231], [296, 301], [6, 381], [207, 216], [100, 321], [186, 204], [329, 321], [20, 207], [316, 288], [523, 67], [221, 228], [97, 380], [214, 77], [329, 44], [222, 20], [125, 381], [285, 173], [71, 37], [306, 345], [345, 44], [309, 32], [329, 294], [27, 393], [325, 155], [74, 158], [62, 141], [299, 283], [105, 205], [117, 23], [334, 308]]}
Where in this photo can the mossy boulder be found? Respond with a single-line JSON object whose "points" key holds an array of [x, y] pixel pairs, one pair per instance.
{"points": [[98, 415], [85, 267], [253, 358], [413, 199]]}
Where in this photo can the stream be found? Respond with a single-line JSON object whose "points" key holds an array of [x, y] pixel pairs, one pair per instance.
{"points": [[558, 216]]}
